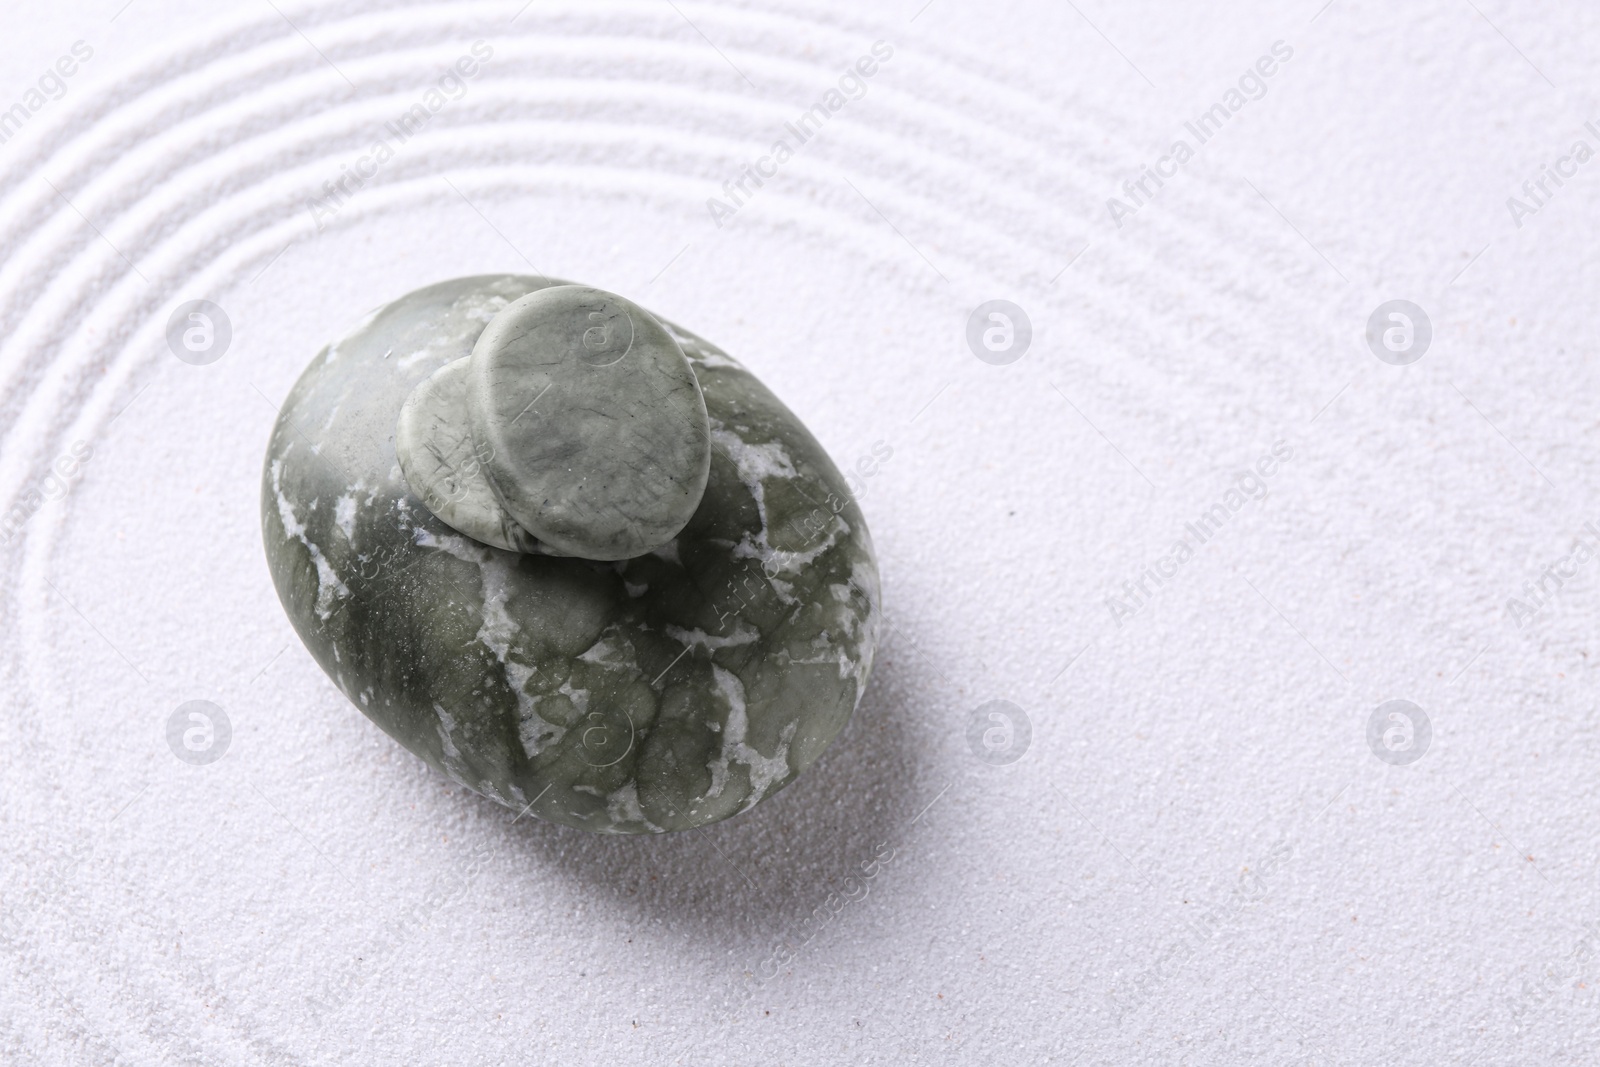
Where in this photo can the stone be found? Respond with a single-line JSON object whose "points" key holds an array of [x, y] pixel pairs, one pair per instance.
{"points": [[444, 467], [591, 424], [658, 692]]}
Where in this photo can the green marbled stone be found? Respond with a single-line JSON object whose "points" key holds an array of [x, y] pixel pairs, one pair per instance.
{"points": [[656, 693]]}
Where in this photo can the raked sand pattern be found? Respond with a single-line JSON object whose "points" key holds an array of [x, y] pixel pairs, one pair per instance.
{"points": [[1066, 823]]}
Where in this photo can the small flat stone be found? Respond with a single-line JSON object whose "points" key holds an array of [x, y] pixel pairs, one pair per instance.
{"points": [[590, 421], [444, 467]]}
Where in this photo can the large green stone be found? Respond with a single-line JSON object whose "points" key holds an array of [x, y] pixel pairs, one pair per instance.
{"points": [[648, 694]]}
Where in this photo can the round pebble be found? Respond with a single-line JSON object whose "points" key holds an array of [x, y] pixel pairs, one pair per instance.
{"points": [[589, 422], [444, 467]]}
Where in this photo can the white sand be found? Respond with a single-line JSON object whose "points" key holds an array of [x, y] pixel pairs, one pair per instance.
{"points": [[1198, 860]]}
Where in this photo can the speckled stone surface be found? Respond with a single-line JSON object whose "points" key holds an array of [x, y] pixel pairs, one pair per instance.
{"points": [[656, 693]]}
